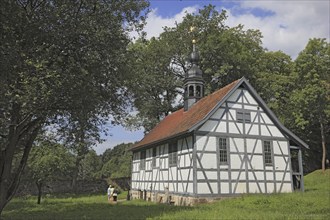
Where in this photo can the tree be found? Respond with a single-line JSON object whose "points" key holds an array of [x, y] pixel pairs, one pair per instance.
{"points": [[160, 64], [310, 100], [90, 166], [274, 82], [58, 58], [48, 162], [117, 162]]}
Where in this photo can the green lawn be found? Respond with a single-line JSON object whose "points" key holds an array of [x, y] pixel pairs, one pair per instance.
{"points": [[313, 204]]}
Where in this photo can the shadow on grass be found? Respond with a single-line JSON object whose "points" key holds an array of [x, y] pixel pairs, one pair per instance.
{"points": [[99, 210]]}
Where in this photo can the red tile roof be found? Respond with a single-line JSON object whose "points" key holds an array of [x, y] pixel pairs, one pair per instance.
{"points": [[181, 121]]}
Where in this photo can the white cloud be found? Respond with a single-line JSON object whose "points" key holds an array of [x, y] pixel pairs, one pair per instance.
{"points": [[288, 28], [156, 23]]}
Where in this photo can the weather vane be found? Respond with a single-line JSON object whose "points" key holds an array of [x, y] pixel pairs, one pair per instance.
{"points": [[192, 30]]}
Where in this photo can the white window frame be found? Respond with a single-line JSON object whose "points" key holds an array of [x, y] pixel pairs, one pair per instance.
{"points": [[143, 155], [172, 154], [223, 150], [268, 153]]}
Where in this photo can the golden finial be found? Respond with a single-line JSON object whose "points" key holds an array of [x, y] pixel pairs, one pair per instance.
{"points": [[192, 28], [193, 41]]}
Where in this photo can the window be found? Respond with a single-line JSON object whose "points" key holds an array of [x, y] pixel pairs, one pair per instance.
{"points": [[198, 91], [142, 160], [223, 150], [243, 116], [191, 91], [186, 92], [268, 153], [154, 154], [172, 154]]}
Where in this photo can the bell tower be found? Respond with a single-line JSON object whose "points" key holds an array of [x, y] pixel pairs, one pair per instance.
{"points": [[193, 82]]}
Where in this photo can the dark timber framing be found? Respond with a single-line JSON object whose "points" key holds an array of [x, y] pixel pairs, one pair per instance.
{"points": [[246, 170]]}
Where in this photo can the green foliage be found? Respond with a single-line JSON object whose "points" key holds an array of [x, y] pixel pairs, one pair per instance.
{"points": [[313, 204], [49, 161], [311, 96], [117, 162], [90, 166], [63, 63], [159, 64]]}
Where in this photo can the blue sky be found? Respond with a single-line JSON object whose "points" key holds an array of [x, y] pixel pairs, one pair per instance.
{"points": [[286, 25]]}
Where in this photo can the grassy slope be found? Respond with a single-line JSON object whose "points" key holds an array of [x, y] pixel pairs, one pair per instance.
{"points": [[313, 204]]}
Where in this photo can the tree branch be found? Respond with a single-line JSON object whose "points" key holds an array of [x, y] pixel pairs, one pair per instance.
{"points": [[15, 182]]}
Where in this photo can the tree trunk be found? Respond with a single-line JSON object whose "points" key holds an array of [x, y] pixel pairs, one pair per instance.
{"points": [[21, 135], [39, 186], [324, 149], [75, 174]]}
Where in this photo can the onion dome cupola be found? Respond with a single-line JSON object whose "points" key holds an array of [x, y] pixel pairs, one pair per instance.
{"points": [[193, 82]]}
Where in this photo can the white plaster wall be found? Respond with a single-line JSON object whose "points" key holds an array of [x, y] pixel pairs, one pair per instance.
{"points": [[224, 175], [190, 188], [265, 131], [235, 161], [164, 175], [285, 188], [253, 188], [211, 144], [222, 127], [275, 132], [252, 129], [224, 188], [187, 174], [219, 114], [286, 176], [235, 129], [235, 105], [280, 164], [211, 175], [235, 95], [239, 143], [200, 141], [209, 125], [232, 114], [265, 119], [260, 175], [203, 188], [209, 160], [250, 99], [236, 175], [269, 176], [257, 162], [251, 107], [270, 187], [241, 188], [172, 173], [280, 144]]}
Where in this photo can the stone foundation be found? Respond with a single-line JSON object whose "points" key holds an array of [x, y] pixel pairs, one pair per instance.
{"points": [[169, 198]]}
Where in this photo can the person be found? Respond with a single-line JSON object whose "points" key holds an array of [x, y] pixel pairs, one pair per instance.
{"points": [[115, 195], [110, 192]]}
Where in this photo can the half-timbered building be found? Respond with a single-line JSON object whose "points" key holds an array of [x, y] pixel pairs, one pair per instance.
{"points": [[225, 144]]}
